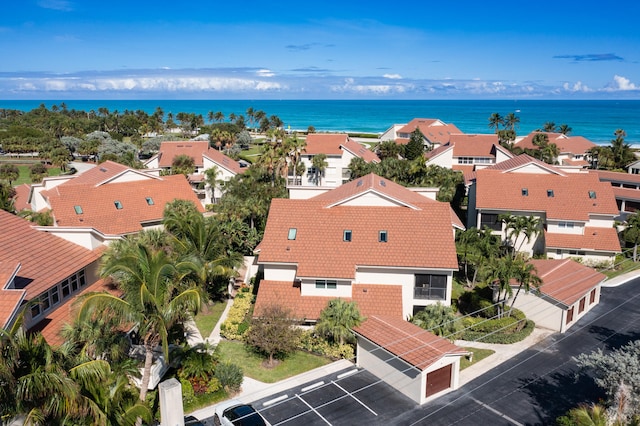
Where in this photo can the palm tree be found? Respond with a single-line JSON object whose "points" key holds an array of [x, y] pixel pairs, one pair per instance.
{"points": [[319, 164], [219, 116], [251, 116], [632, 233], [211, 181], [152, 300], [9, 172], [439, 319], [549, 127], [511, 121], [528, 226], [589, 415], [621, 151], [495, 121], [526, 275], [564, 129], [337, 320]]}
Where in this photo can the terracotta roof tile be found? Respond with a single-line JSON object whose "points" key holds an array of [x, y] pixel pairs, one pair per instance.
{"points": [[44, 258], [600, 239], [566, 144], [434, 130], [373, 299], [569, 199], [325, 143], [361, 151], [223, 161], [417, 347], [566, 280], [95, 175], [170, 149], [524, 160], [98, 203], [626, 193], [618, 177], [474, 145], [21, 199]]}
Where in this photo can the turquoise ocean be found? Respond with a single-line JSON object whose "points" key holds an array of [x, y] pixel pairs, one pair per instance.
{"points": [[597, 120]]}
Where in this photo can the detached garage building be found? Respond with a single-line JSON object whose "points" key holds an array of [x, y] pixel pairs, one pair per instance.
{"points": [[416, 362]]}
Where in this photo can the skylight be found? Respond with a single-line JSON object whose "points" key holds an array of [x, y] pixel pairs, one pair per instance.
{"points": [[346, 236], [149, 201], [592, 195], [292, 233], [550, 193], [382, 236], [525, 192], [78, 209], [118, 204], [359, 183]]}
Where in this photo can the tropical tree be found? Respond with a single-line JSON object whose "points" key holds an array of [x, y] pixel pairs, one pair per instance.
{"points": [[154, 299], [586, 415], [183, 165], [6, 197], [319, 164], [293, 148], [415, 146], [549, 127], [511, 121], [273, 334], [495, 121], [438, 319], [337, 320], [37, 172], [516, 225], [631, 234], [211, 181], [9, 172], [565, 129], [388, 149], [525, 274], [621, 152]]}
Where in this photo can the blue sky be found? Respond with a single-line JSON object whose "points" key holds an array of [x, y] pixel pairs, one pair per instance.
{"points": [[86, 49]]}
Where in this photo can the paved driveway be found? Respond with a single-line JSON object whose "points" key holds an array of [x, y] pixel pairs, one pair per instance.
{"points": [[533, 388]]}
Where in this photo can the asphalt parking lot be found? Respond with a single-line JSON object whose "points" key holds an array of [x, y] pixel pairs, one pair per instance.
{"points": [[348, 397]]}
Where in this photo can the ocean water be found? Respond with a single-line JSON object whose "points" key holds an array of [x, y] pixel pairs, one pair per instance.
{"points": [[597, 120]]}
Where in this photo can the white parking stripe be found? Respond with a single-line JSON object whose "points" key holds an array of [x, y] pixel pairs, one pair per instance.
{"points": [[351, 395], [496, 412], [312, 409]]}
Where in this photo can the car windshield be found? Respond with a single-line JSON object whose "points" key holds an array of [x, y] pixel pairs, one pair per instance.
{"points": [[244, 415]]}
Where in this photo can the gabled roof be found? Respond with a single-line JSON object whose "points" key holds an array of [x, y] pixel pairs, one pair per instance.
{"points": [[598, 239], [171, 149], [325, 143], [417, 347], [44, 259], [566, 280], [523, 160], [10, 299], [474, 145], [21, 199], [435, 131], [101, 173], [566, 144], [117, 208], [223, 161], [574, 196], [360, 150], [618, 177], [319, 249], [374, 299]]}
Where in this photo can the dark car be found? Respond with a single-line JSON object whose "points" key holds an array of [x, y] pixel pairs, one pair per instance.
{"points": [[192, 421]]}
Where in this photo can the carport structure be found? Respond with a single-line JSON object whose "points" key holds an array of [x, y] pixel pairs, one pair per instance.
{"points": [[414, 361]]}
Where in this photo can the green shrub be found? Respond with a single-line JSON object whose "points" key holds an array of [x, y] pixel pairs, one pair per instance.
{"points": [[310, 342], [232, 328], [230, 376], [188, 395], [477, 302], [499, 337]]}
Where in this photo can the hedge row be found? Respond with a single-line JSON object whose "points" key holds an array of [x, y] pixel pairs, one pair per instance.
{"points": [[234, 327], [499, 337]]}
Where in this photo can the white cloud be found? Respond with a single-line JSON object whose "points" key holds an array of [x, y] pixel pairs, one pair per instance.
{"points": [[577, 87], [393, 76], [622, 84], [265, 73]]}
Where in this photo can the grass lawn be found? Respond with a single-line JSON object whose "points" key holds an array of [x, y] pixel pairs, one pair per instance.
{"points": [[207, 321], [627, 265], [251, 363], [478, 354], [24, 174]]}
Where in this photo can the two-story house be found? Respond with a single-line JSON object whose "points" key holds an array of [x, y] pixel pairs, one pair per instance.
{"points": [[435, 132], [576, 211], [573, 151], [468, 152]]}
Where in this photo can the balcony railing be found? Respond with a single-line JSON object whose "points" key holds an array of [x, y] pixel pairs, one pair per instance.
{"points": [[429, 293]]}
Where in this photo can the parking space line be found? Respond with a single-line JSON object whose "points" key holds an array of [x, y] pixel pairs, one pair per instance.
{"points": [[493, 410], [352, 396], [313, 409]]}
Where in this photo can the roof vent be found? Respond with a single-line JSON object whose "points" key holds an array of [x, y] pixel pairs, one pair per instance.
{"points": [[103, 170], [359, 183], [383, 183]]}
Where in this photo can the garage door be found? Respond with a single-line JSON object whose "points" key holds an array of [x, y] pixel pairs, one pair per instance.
{"points": [[438, 380]]}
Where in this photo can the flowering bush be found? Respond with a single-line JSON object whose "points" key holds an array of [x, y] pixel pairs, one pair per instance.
{"points": [[234, 327], [310, 342]]}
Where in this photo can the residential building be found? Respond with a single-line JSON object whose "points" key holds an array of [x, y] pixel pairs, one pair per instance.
{"points": [[568, 291], [573, 150], [204, 158], [371, 240], [107, 202], [468, 152], [626, 189], [340, 150], [436, 132], [576, 210], [41, 272]]}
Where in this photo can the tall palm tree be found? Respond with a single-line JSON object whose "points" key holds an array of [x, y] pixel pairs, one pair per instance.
{"points": [[337, 320], [511, 121], [495, 121], [585, 415], [632, 233], [152, 300], [565, 129], [211, 181], [621, 152], [319, 164], [526, 276], [549, 127]]}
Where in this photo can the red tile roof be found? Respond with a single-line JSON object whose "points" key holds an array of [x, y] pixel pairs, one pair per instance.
{"points": [[565, 144], [21, 199], [45, 259], [524, 160], [319, 249], [98, 203], [412, 344], [51, 326], [566, 280], [374, 299], [223, 161], [325, 143], [618, 177], [103, 172], [476, 145], [170, 149], [435, 131], [10, 299], [626, 193], [570, 198], [361, 151], [600, 239]]}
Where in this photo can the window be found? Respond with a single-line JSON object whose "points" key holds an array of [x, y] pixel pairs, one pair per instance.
{"points": [[550, 193], [346, 235], [592, 195], [525, 192], [74, 283], [328, 284], [576, 253], [465, 160], [149, 201], [35, 310], [78, 209], [292, 233], [491, 221], [55, 296], [118, 204], [430, 286], [66, 290], [565, 225], [382, 236]]}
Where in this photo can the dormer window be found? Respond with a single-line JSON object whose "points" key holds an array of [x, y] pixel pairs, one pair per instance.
{"points": [[525, 192], [382, 236], [78, 209], [118, 204], [292, 233], [149, 201], [550, 193], [346, 236], [592, 195]]}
